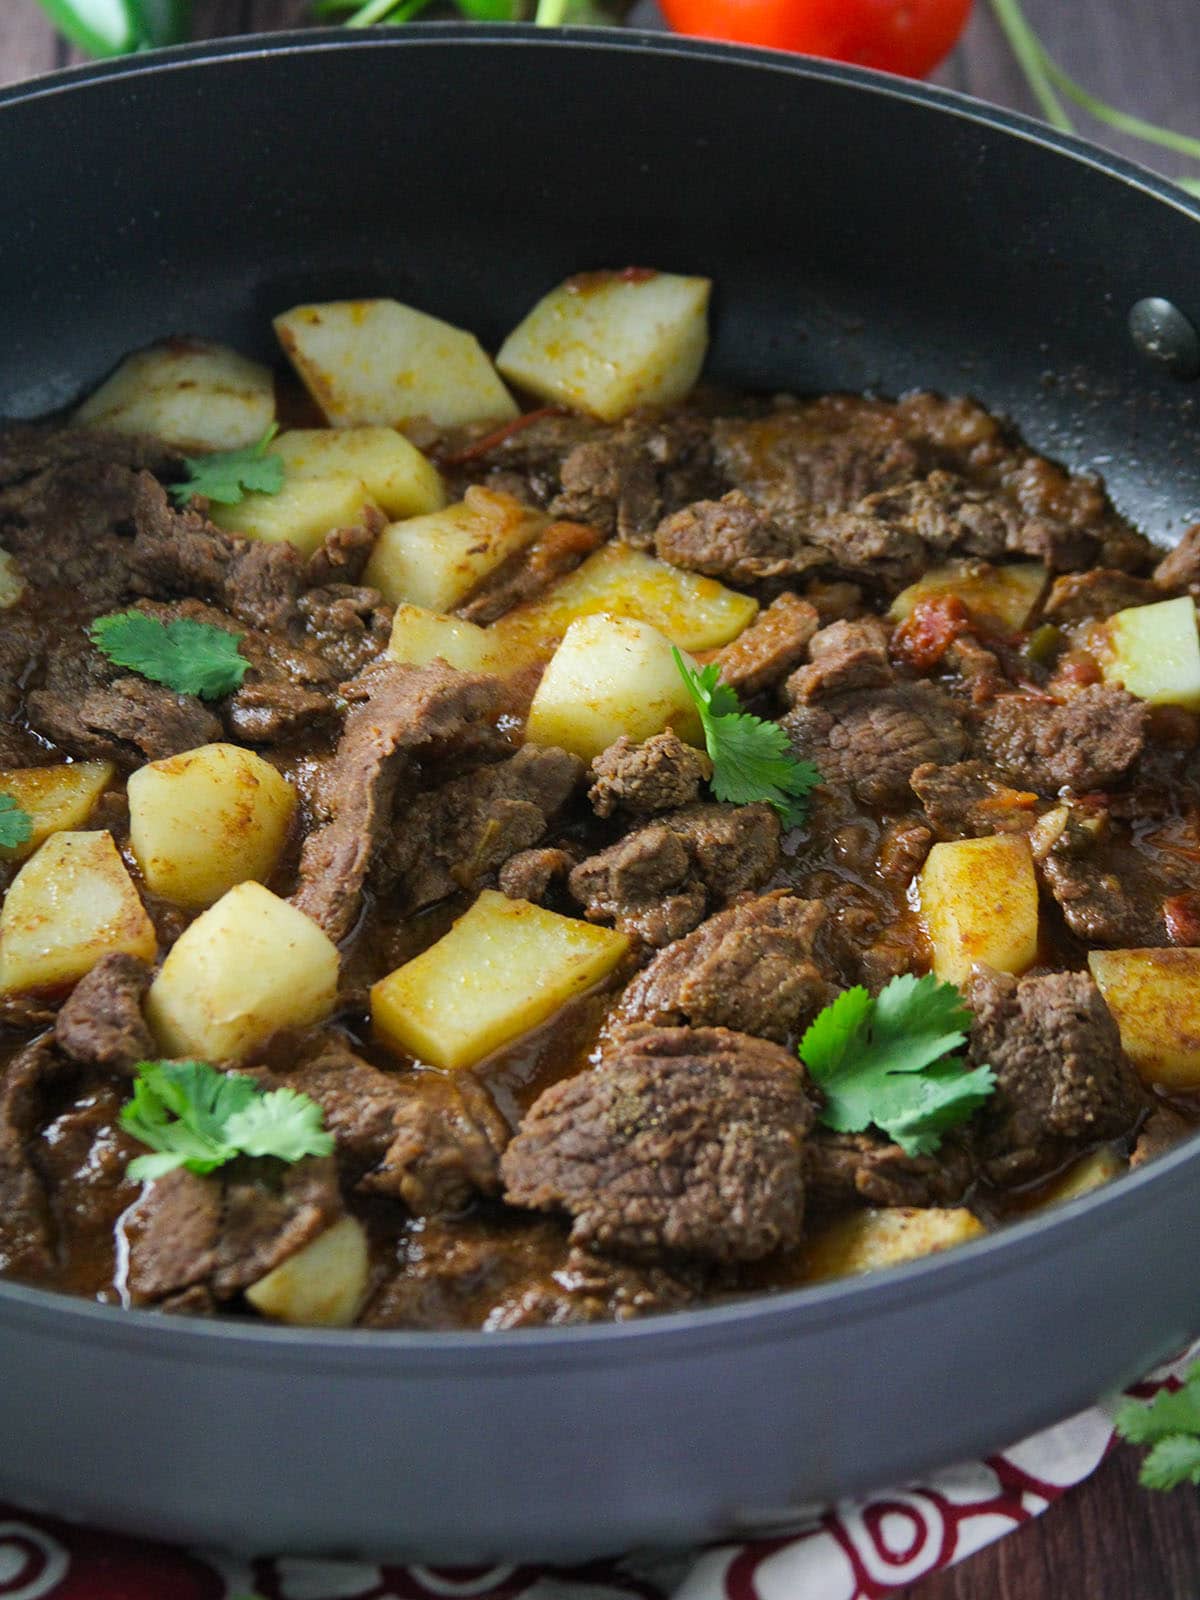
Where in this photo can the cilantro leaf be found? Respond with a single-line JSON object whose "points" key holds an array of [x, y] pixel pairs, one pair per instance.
{"points": [[1173, 1461], [752, 759], [193, 1116], [227, 476], [188, 656], [16, 826], [1171, 1423], [889, 1062]]}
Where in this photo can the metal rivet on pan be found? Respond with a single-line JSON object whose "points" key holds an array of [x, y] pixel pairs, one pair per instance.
{"points": [[1165, 336]]}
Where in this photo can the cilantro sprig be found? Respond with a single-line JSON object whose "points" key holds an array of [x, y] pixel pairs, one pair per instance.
{"points": [[890, 1062], [1171, 1424], [752, 759], [188, 656], [16, 826], [193, 1116], [227, 476]]}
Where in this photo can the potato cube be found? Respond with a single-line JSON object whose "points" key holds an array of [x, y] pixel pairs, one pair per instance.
{"points": [[302, 513], [870, 1239], [418, 636], [322, 1285], [436, 560], [1093, 1172], [504, 967], [607, 342], [609, 676], [12, 583], [207, 819], [54, 798], [401, 481], [1154, 996], [195, 395], [377, 362], [1000, 595], [695, 613], [979, 899], [246, 967], [70, 904], [1155, 653]]}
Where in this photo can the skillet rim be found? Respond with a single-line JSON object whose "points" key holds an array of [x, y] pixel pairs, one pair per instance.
{"points": [[758, 1318]]}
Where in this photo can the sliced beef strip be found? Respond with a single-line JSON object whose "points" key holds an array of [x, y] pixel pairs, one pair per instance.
{"points": [[23, 645], [1068, 522], [1076, 596], [101, 1024], [128, 720], [447, 1139], [751, 968], [530, 572], [731, 538], [774, 643], [864, 1169], [452, 837], [659, 774], [1180, 569], [227, 1229], [533, 874], [593, 1288], [625, 481], [970, 800], [27, 449], [1107, 893], [348, 627], [27, 1232], [69, 531], [843, 656], [1062, 1080], [534, 453], [871, 740], [343, 555], [657, 882], [1085, 743], [683, 1142], [1164, 1128], [401, 713]]}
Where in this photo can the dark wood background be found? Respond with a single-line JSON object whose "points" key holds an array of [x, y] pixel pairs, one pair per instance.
{"points": [[1108, 1539]]}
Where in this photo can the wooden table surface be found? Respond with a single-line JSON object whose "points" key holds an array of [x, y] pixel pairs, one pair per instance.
{"points": [[1108, 1539]]}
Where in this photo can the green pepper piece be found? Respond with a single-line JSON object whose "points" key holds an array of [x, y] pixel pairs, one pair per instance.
{"points": [[1042, 644]]}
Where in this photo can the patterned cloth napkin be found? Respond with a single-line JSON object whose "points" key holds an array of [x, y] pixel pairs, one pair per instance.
{"points": [[857, 1550]]}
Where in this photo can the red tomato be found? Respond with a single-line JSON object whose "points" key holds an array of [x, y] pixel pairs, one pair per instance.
{"points": [[905, 36]]}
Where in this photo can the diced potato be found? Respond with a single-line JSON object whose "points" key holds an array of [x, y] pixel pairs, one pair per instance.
{"points": [[436, 560], [1154, 996], [70, 904], [207, 819], [607, 342], [195, 395], [54, 798], [12, 584], [870, 1239], [1093, 1172], [695, 613], [246, 967], [609, 676], [1001, 595], [1154, 653], [504, 967], [302, 513], [322, 1285], [979, 899], [401, 481], [418, 636], [368, 362]]}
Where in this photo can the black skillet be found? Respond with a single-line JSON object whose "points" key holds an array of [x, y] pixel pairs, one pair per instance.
{"points": [[863, 233]]}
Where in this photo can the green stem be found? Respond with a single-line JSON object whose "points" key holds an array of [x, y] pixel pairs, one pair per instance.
{"points": [[1122, 120], [384, 11], [1027, 48], [550, 13]]}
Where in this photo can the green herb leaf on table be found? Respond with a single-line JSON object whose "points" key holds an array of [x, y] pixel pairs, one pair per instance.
{"points": [[16, 825], [1171, 1423], [890, 1062], [187, 656], [193, 1116], [228, 476], [752, 759]]}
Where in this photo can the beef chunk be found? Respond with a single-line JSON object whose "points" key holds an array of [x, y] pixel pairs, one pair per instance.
{"points": [[902, 852], [751, 968], [1079, 595], [1181, 568], [401, 713], [846, 655], [532, 454], [660, 774], [344, 553], [1067, 521], [530, 572], [1106, 892], [28, 449], [531, 874], [1163, 1130], [447, 1137], [453, 837], [1088, 742], [181, 553], [862, 1168], [1062, 1079], [970, 800], [69, 528], [871, 740], [226, 1230], [27, 1233], [770, 647], [623, 482], [129, 721], [683, 1141], [348, 627], [101, 1025], [594, 1288], [656, 882], [731, 538], [275, 711], [358, 1102]]}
